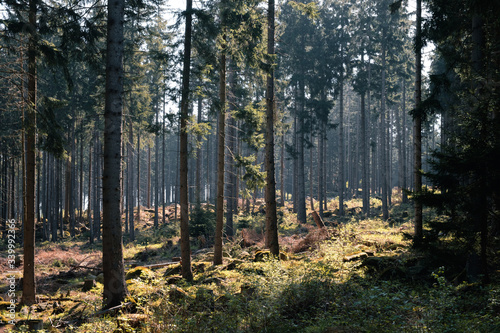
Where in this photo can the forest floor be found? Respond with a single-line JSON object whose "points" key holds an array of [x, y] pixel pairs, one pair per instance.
{"points": [[356, 275]]}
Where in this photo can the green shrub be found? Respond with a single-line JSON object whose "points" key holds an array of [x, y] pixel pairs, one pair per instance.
{"points": [[202, 223]]}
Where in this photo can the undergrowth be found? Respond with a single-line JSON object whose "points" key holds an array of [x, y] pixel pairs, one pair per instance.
{"points": [[363, 276]]}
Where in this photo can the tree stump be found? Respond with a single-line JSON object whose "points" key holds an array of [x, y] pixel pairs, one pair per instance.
{"points": [[318, 220], [88, 284]]}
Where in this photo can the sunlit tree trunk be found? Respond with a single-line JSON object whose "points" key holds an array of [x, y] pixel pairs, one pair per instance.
{"points": [[197, 192], [230, 173], [220, 162], [271, 217], [138, 184], [341, 148], [115, 288]]}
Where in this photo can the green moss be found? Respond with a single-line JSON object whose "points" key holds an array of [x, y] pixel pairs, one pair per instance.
{"points": [[140, 272]]}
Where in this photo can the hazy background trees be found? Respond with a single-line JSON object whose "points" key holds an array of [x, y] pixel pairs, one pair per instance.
{"points": [[344, 73]]}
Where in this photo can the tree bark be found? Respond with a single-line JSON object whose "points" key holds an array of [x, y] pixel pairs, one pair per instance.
{"points": [[417, 129], [301, 186], [341, 148], [29, 284], [271, 215], [282, 170], [115, 288], [383, 146], [80, 201], [130, 179], [197, 192], [403, 147], [220, 162], [231, 151], [295, 159], [72, 188], [187, 273], [364, 158], [148, 192], [90, 197], [311, 175], [157, 173], [138, 216], [321, 144], [163, 151]]}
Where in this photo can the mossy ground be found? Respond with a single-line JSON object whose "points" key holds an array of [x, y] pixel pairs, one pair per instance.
{"points": [[360, 276]]}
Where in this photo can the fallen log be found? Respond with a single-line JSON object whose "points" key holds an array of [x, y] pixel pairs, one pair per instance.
{"points": [[153, 266], [113, 309], [86, 267]]}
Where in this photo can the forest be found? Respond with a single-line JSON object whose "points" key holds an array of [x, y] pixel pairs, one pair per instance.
{"points": [[249, 166]]}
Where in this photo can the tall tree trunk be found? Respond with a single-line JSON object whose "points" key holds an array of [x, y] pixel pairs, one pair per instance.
{"points": [[403, 147], [295, 161], [237, 171], [220, 161], [29, 287], [46, 194], [80, 201], [148, 200], [53, 198], [321, 167], [417, 128], [208, 185], [383, 146], [60, 198], [90, 197], [301, 187], [282, 170], [325, 167], [157, 173], [138, 216], [388, 155], [187, 273], [364, 158], [72, 189], [311, 175], [231, 151], [271, 216], [115, 288], [341, 148], [98, 186], [163, 151], [482, 202], [67, 184], [197, 192]]}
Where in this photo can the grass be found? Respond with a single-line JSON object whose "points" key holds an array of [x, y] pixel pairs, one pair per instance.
{"points": [[361, 277]]}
